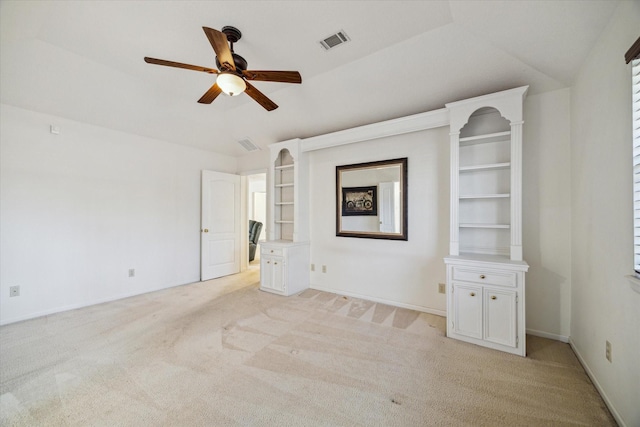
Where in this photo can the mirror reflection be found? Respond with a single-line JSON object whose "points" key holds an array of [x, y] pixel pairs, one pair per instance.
{"points": [[371, 200]]}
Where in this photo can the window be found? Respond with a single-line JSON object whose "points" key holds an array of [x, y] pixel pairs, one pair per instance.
{"points": [[635, 120]]}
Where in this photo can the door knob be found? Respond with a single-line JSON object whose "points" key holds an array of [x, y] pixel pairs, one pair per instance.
{"points": [[206, 230]]}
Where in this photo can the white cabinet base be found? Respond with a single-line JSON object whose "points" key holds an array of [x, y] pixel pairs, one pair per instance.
{"points": [[486, 302], [284, 267]]}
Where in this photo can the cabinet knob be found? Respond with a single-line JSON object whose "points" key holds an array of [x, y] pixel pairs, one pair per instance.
{"points": [[473, 294], [268, 262], [494, 297], [271, 250], [482, 276], [275, 263]]}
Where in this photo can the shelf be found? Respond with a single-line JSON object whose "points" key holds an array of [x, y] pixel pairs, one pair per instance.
{"points": [[284, 222], [284, 185], [284, 203], [495, 226], [486, 138], [485, 196], [490, 166], [284, 167]]}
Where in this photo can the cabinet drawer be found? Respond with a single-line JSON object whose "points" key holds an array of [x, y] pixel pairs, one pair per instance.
{"points": [[489, 277], [271, 251], [275, 260]]}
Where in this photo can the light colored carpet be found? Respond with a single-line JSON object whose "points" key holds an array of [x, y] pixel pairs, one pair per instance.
{"points": [[223, 353]]}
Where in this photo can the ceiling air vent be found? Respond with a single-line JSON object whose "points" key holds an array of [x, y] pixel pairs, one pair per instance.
{"points": [[335, 40], [248, 145]]}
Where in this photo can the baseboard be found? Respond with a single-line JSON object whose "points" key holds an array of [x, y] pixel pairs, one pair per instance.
{"points": [[81, 305], [551, 336], [437, 312], [595, 382]]}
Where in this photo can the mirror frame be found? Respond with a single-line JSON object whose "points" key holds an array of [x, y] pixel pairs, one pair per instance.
{"points": [[403, 235]]}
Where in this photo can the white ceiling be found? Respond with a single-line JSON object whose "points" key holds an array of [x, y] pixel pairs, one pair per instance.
{"points": [[83, 60]]}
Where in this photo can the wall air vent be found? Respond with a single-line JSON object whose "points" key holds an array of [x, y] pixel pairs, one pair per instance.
{"points": [[335, 40], [248, 145]]}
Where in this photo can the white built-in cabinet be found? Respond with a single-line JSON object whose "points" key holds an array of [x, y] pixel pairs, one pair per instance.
{"points": [[485, 269], [284, 257], [283, 267]]}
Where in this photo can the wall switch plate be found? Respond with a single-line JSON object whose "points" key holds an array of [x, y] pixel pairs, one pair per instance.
{"points": [[607, 351], [442, 288], [14, 291], [132, 272], [324, 268]]}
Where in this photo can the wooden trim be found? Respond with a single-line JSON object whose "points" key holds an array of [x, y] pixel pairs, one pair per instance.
{"points": [[633, 52]]}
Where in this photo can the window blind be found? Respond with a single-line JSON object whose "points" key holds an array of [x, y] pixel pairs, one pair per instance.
{"points": [[635, 104]]}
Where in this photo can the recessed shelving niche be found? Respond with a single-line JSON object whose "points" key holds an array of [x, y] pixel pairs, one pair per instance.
{"points": [[284, 202], [484, 180]]}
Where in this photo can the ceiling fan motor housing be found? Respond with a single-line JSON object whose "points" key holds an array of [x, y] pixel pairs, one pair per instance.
{"points": [[241, 63]]}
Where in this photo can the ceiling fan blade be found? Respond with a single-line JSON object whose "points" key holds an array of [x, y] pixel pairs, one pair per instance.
{"points": [[210, 95], [260, 97], [220, 45], [179, 65], [273, 76]]}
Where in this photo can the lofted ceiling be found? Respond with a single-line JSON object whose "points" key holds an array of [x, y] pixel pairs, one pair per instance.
{"points": [[83, 60]]}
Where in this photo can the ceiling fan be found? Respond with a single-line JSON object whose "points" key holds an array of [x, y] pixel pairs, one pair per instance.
{"points": [[232, 76]]}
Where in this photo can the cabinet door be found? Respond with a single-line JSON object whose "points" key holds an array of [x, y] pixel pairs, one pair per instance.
{"points": [[279, 277], [266, 271], [500, 316], [273, 273], [467, 310]]}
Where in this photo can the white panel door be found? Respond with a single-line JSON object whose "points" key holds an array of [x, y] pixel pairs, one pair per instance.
{"points": [[220, 232]]}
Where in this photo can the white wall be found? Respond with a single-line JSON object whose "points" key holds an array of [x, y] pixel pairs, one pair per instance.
{"points": [[603, 306], [79, 209], [404, 273], [546, 213]]}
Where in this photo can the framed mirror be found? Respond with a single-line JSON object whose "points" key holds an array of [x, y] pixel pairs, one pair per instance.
{"points": [[371, 200]]}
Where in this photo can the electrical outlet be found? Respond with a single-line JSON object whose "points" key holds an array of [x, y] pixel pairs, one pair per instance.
{"points": [[313, 267], [132, 272], [324, 268], [607, 351], [442, 288], [14, 291]]}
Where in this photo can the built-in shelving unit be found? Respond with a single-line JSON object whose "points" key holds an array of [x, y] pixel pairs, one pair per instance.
{"points": [[485, 270], [284, 256]]}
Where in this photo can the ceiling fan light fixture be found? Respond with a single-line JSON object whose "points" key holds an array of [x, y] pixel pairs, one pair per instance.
{"points": [[231, 84]]}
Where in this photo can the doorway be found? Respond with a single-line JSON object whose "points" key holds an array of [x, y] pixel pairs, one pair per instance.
{"points": [[257, 208]]}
